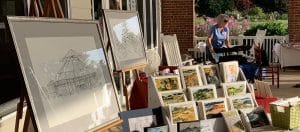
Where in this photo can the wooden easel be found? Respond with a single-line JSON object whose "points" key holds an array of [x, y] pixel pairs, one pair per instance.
{"points": [[53, 9], [123, 80], [111, 125]]}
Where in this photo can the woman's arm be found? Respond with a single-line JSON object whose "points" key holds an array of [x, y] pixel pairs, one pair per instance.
{"points": [[227, 41], [210, 47]]}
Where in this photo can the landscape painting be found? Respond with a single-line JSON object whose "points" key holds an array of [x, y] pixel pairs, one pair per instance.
{"points": [[211, 74], [233, 121], [157, 129], [230, 71], [234, 89], [167, 83], [191, 76], [203, 92], [213, 108], [182, 112], [138, 124], [173, 97], [258, 118], [242, 102], [191, 126]]}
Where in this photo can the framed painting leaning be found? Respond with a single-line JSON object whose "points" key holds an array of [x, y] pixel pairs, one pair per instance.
{"points": [[125, 34], [65, 68]]}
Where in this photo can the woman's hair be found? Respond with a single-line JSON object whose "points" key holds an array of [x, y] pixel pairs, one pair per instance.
{"points": [[221, 18]]}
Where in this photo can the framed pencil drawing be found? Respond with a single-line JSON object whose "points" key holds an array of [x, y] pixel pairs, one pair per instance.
{"points": [[190, 76], [125, 35], [64, 68]]}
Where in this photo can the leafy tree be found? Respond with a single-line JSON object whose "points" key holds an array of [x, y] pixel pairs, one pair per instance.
{"points": [[213, 7], [242, 5]]}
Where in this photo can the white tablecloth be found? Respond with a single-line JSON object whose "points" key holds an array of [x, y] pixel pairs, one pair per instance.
{"points": [[289, 57]]}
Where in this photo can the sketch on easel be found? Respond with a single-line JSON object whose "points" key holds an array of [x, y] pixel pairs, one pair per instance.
{"points": [[126, 39]]}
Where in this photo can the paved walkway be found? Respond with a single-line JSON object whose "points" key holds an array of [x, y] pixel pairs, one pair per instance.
{"points": [[288, 79]]}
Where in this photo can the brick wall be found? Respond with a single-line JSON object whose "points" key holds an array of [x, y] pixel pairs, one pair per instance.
{"points": [[294, 21], [177, 17]]}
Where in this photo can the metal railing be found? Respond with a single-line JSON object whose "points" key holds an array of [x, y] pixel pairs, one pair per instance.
{"points": [[267, 45]]}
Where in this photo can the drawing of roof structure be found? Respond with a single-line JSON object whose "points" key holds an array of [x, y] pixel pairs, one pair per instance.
{"points": [[74, 76]]}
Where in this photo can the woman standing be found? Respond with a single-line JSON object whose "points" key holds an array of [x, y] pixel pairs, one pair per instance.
{"points": [[218, 36]]}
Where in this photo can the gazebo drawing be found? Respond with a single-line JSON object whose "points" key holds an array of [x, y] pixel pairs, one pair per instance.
{"points": [[73, 77]]}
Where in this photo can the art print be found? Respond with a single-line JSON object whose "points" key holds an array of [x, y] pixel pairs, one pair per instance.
{"points": [[126, 39], [182, 112], [233, 121], [211, 74], [242, 102], [191, 76], [64, 67], [213, 108], [167, 83], [137, 124], [157, 129], [234, 89], [230, 71], [192, 126], [172, 97], [203, 92]]}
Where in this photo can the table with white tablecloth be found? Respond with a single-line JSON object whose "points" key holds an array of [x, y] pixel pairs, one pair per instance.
{"points": [[289, 56]]}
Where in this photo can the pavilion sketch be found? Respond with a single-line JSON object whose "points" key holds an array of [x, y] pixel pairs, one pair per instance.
{"points": [[74, 76]]}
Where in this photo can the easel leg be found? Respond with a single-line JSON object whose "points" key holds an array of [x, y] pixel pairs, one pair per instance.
{"points": [[125, 90], [26, 121]]}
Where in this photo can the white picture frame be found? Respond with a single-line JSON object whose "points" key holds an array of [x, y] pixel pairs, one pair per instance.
{"points": [[48, 51], [190, 76], [166, 83], [234, 88], [194, 93], [241, 102], [210, 74], [233, 121], [205, 108], [230, 71], [126, 38], [163, 96], [178, 107], [250, 124]]}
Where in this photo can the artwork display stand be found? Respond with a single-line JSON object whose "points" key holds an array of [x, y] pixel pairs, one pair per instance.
{"points": [[53, 9], [218, 124], [123, 84], [111, 125]]}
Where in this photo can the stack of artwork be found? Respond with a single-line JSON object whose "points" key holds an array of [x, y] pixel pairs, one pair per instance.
{"points": [[192, 96]]}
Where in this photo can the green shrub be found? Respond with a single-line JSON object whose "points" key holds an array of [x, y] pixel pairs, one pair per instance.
{"points": [[255, 13], [282, 17], [213, 7], [234, 13], [273, 28]]}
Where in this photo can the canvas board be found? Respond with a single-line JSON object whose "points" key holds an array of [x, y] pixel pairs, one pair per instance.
{"points": [[203, 92], [167, 83], [230, 71], [241, 102], [212, 108], [190, 76], [181, 112], [233, 121], [210, 74], [255, 118], [169, 97], [125, 35], [234, 88], [64, 68]]}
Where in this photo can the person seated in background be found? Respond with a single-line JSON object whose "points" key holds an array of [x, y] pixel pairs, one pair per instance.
{"points": [[218, 36]]}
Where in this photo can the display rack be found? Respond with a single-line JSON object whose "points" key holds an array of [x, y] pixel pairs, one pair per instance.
{"points": [[217, 123]]}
